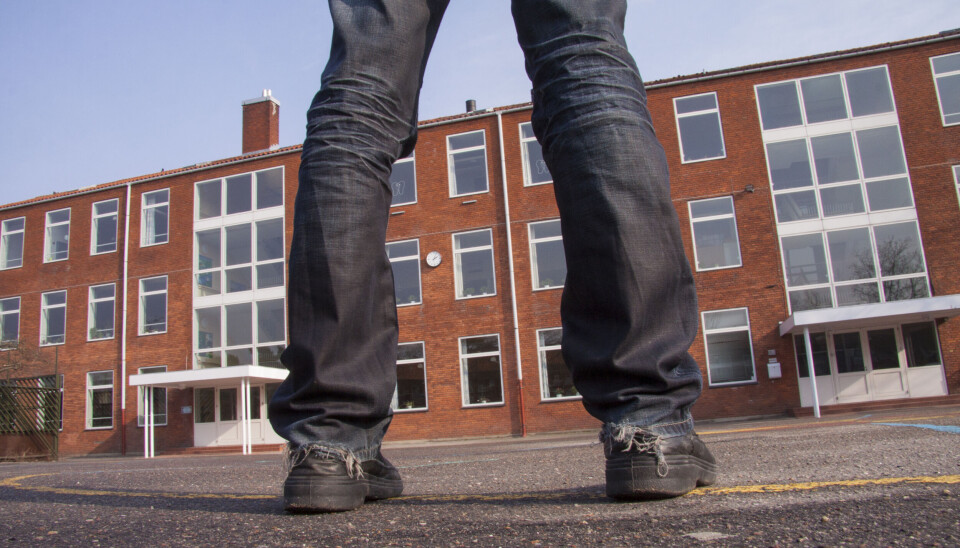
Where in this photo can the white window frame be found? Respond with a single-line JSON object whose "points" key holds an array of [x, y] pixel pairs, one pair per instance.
{"points": [[222, 348], [464, 377], [534, 264], [408, 160], [396, 404], [678, 117], [458, 271], [95, 225], [525, 142], [451, 172], [956, 179], [47, 241], [166, 304], [44, 310], [936, 83], [5, 235], [410, 258], [542, 363], [706, 346], [145, 213], [158, 419], [91, 390], [693, 231], [91, 312], [5, 316]]}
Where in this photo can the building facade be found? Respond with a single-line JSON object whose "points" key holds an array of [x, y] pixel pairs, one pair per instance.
{"points": [[819, 200]]}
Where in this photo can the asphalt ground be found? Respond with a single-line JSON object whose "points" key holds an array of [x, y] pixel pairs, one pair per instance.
{"points": [[888, 478]]}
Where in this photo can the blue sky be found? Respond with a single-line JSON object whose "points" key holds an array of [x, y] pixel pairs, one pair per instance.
{"points": [[94, 91]]}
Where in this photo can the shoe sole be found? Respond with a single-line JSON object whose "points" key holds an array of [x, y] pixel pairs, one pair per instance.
{"points": [[312, 495], [628, 479]]}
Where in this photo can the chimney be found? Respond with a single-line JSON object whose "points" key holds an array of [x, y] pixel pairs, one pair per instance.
{"points": [[471, 105], [261, 123]]}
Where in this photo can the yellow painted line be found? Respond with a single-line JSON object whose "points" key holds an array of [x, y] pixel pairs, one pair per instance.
{"points": [[861, 419], [16, 483]]}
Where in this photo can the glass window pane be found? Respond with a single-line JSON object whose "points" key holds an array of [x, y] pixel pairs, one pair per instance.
{"points": [[467, 140], [406, 281], [841, 200], [208, 327], [269, 356], [849, 352], [208, 249], [805, 260], [948, 88], [920, 341], [154, 313], [208, 200], [228, 404], [849, 295], [469, 172], [716, 243], [238, 193], [411, 386], [880, 152], [239, 324], [883, 349], [154, 284], [204, 405], [238, 279], [789, 164], [476, 345], [551, 337], [550, 229], [550, 264], [946, 63], [270, 275], [559, 382], [898, 247], [238, 244], [889, 194], [779, 105], [823, 98], [821, 358], [473, 239], [536, 167], [483, 380], [796, 206], [810, 299], [476, 273], [710, 208], [722, 319], [403, 182], [270, 321], [397, 250], [270, 240], [269, 188], [239, 356], [901, 290], [410, 351], [156, 198], [706, 101], [869, 92], [851, 255], [701, 137], [206, 360], [730, 357], [834, 159], [105, 239]]}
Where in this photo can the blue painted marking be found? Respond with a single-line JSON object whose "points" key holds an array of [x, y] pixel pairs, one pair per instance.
{"points": [[937, 427]]}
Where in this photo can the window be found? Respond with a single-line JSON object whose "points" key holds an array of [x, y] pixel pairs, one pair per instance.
{"points": [[405, 261], [103, 229], [228, 404], [101, 315], [403, 181], [729, 347], [204, 405], [245, 333], [53, 318], [244, 193], [411, 391], [156, 218], [57, 238], [821, 358], [555, 379], [473, 264], [535, 170], [467, 163], [481, 378], [159, 403], [921, 344], [715, 240], [240, 258], [100, 399], [946, 76], [153, 305], [956, 179], [11, 243], [9, 321], [547, 261], [698, 123]]}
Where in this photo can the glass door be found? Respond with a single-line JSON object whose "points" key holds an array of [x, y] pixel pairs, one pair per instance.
{"points": [[886, 366]]}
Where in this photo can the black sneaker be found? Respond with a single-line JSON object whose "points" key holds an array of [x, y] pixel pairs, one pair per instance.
{"points": [[647, 467], [325, 483]]}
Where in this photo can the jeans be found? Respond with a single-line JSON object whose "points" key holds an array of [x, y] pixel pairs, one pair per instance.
{"points": [[629, 310]]}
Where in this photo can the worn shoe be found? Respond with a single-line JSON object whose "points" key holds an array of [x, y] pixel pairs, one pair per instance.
{"points": [[328, 482], [647, 467]]}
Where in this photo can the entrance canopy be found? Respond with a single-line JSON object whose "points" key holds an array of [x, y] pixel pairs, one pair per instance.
{"points": [[868, 315], [215, 376]]}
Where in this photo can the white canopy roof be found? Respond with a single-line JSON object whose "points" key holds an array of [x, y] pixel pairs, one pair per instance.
{"points": [[214, 376], [867, 315]]}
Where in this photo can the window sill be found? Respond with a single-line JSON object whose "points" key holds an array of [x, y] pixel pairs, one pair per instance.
{"points": [[92, 428], [548, 288], [713, 268], [528, 185], [468, 297], [482, 405], [152, 333], [734, 383], [560, 399], [699, 160], [411, 410]]}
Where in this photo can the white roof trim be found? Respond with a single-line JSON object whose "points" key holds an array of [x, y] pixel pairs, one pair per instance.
{"points": [[865, 315], [208, 377]]}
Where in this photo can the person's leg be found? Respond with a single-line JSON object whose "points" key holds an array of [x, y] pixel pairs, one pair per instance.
{"points": [[629, 306], [334, 407]]}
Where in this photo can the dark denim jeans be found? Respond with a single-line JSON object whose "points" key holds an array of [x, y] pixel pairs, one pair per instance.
{"points": [[629, 306]]}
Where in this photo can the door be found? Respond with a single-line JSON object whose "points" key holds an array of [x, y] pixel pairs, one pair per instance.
{"points": [[887, 368], [851, 367]]}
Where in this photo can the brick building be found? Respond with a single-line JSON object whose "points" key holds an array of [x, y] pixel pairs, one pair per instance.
{"points": [[818, 199]]}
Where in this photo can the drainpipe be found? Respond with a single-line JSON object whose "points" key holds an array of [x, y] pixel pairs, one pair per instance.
{"points": [[123, 329], [513, 284]]}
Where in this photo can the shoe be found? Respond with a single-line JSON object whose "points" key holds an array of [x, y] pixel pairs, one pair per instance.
{"points": [[324, 483], [647, 467]]}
